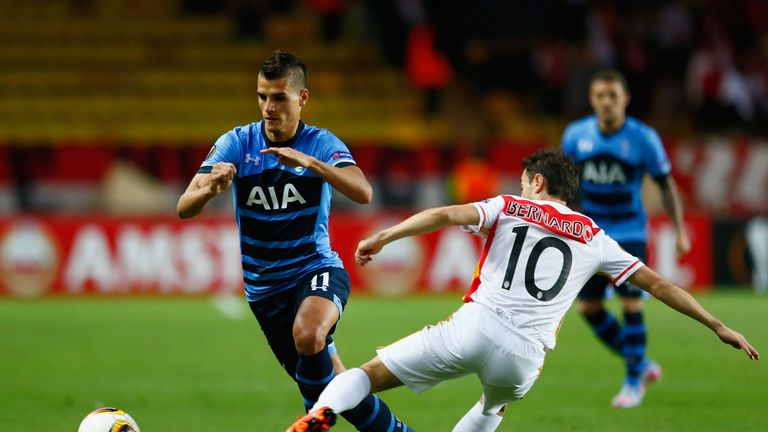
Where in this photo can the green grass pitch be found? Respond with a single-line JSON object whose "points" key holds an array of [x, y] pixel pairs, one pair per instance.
{"points": [[183, 365]]}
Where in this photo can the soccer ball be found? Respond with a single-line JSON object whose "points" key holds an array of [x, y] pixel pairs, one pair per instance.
{"points": [[108, 420]]}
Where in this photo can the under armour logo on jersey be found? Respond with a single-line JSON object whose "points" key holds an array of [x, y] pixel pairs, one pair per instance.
{"points": [[323, 282], [254, 159]]}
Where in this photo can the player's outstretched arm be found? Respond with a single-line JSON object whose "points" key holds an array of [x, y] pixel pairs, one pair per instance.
{"points": [[348, 180], [680, 300], [203, 188], [421, 223]]}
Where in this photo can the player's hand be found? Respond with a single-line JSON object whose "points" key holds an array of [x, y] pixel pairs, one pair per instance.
{"points": [[289, 157], [737, 341], [682, 243], [221, 177], [367, 248]]}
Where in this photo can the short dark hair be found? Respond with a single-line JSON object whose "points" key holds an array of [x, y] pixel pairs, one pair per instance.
{"points": [[559, 170], [281, 64], [610, 75]]}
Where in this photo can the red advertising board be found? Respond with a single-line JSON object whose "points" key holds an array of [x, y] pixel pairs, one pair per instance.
{"points": [[723, 176], [694, 269], [438, 262], [90, 255], [102, 255]]}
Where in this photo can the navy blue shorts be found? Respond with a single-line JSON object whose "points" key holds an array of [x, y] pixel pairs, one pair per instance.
{"points": [[276, 314], [597, 285]]}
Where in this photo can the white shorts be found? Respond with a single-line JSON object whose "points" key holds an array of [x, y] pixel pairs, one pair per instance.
{"points": [[474, 340]]}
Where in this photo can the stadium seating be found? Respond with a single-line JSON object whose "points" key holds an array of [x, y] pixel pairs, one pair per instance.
{"points": [[143, 72], [101, 83]]}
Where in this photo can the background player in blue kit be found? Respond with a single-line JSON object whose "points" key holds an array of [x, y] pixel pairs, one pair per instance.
{"points": [[615, 151], [282, 173]]}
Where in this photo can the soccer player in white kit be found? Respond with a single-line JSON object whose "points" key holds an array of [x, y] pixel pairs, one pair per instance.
{"points": [[537, 256]]}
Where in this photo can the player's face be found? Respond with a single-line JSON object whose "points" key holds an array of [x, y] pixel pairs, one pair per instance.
{"points": [[281, 103], [609, 100]]}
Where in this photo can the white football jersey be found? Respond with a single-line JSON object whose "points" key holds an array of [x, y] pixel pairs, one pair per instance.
{"points": [[537, 256]]}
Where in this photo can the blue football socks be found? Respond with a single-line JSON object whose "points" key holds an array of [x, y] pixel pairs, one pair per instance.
{"points": [[373, 415], [607, 328], [313, 373], [634, 346], [629, 341]]}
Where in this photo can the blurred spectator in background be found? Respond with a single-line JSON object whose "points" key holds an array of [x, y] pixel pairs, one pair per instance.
{"points": [[249, 17], [390, 29], [717, 90], [398, 179], [474, 178], [20, 172], [426, 68], [330, 13]]}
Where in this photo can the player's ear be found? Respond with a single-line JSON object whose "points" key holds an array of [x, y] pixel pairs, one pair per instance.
{"points": [[303, 97]]}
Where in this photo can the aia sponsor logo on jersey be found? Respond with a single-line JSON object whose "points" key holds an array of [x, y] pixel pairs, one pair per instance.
{"points": [[278, 190], [269, 198], [603, 172], [607, 169]]}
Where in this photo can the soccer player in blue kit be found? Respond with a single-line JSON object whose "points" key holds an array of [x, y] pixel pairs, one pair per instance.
{"points": [[615, 151], [282, 173]]}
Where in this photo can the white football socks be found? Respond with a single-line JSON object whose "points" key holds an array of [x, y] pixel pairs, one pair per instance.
{"points": [[345, 391], [476, 421]]}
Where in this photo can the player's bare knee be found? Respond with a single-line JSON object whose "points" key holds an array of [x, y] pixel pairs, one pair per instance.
{"points": [[308, 340]]}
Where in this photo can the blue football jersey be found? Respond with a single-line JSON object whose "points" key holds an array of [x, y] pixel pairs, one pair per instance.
{"points": [[282, 213], [612, 171]]}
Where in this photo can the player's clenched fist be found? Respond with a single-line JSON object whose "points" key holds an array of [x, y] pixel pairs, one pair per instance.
{"points": [[366, 249], [221, 177]]}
